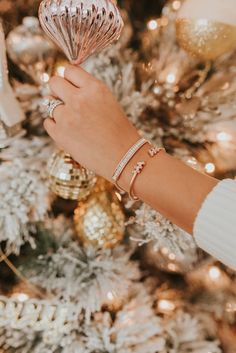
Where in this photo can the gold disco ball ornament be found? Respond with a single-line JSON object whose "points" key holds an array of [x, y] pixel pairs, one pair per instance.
{"points": [[68, 179], [100, 221], [204, 29]]}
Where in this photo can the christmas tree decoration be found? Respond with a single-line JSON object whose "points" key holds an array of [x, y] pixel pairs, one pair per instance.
{"points": [[68, 179], [100, 221], [11, 114], [22, 313], [80, 27], [168, 261], [24, 201], [205, 29], [62, 290], [29, 48]]}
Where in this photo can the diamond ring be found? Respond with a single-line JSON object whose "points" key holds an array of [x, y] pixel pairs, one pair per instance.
{"points": [[50, 105]]}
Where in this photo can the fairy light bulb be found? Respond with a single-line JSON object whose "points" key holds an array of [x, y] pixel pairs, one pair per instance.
{"points": [[176, 5], [223, 137], [21, 297], [110, 296], [210, 168], [172, 257], [172, 267], [60, 70], [171, 78], [45, 77], [214, 273], [152, 25], [165, 306]]}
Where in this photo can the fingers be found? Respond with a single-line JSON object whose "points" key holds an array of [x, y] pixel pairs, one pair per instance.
{"points": [[50, 127], [59, 113], [62, 88], [78, 76]]}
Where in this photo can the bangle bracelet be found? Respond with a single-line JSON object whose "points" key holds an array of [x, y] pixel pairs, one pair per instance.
{"points": [[136, 171], [153, 151], [126, 159]]}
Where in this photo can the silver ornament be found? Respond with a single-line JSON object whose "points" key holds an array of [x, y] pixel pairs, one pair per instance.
{"points": [[29, 48], [11, 114], [80, 27]]}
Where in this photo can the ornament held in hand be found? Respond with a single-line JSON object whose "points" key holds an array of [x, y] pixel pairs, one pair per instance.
{"points": [[80, 27], [206, 29], [68, 179], [100, 221], [29, 48]]}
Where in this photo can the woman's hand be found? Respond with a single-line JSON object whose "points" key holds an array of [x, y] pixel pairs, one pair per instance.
{"points": [[94, 130], [91, 125]]}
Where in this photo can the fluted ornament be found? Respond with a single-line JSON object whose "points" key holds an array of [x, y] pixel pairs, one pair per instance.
{"points": [[81, 27]]}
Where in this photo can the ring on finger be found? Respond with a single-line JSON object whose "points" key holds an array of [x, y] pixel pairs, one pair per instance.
{"points": [[50, 105]]}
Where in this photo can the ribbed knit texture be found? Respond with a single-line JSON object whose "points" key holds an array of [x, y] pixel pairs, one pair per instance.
{"points": [[215, 225]]}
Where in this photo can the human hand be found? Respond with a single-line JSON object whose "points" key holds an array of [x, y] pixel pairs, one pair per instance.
{"points": [[91, 125]]}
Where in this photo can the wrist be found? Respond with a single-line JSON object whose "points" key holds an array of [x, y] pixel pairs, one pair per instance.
{"points": [[135, 174]]}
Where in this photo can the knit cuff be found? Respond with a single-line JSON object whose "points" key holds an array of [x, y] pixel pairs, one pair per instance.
{"points": [[215, 225]]}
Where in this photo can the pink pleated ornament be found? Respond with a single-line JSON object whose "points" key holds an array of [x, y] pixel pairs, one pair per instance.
{"points": [[81, 27]]}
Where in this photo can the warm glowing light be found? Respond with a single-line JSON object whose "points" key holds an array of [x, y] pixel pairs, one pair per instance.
{"points": [[157, 90], [223, 136], [176, 5], [210, 168], [231, 307], [172, 267], [165, 305], [164, 251], [164, 21], [60, 70], [172, 257], [110, 296], [22, 297], [214, 273], [171, 78], [152, 25], [45, 77]]}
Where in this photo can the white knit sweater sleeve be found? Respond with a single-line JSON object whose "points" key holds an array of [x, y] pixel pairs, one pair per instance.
{"points": [[215, 225]]}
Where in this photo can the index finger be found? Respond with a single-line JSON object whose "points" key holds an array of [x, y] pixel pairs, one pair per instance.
{"points": [[78, 76]]}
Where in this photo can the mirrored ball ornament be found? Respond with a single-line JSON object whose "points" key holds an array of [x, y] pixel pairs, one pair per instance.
{"points": [[100, 221], [81, 27], [68, 179]]}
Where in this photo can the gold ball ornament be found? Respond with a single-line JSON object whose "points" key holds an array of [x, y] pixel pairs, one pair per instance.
{"points": [[205, 29], [68, 179], [100, 221], [205, 39]]}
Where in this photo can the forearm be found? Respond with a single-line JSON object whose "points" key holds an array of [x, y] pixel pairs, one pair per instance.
{"points": [[169, 186]]}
